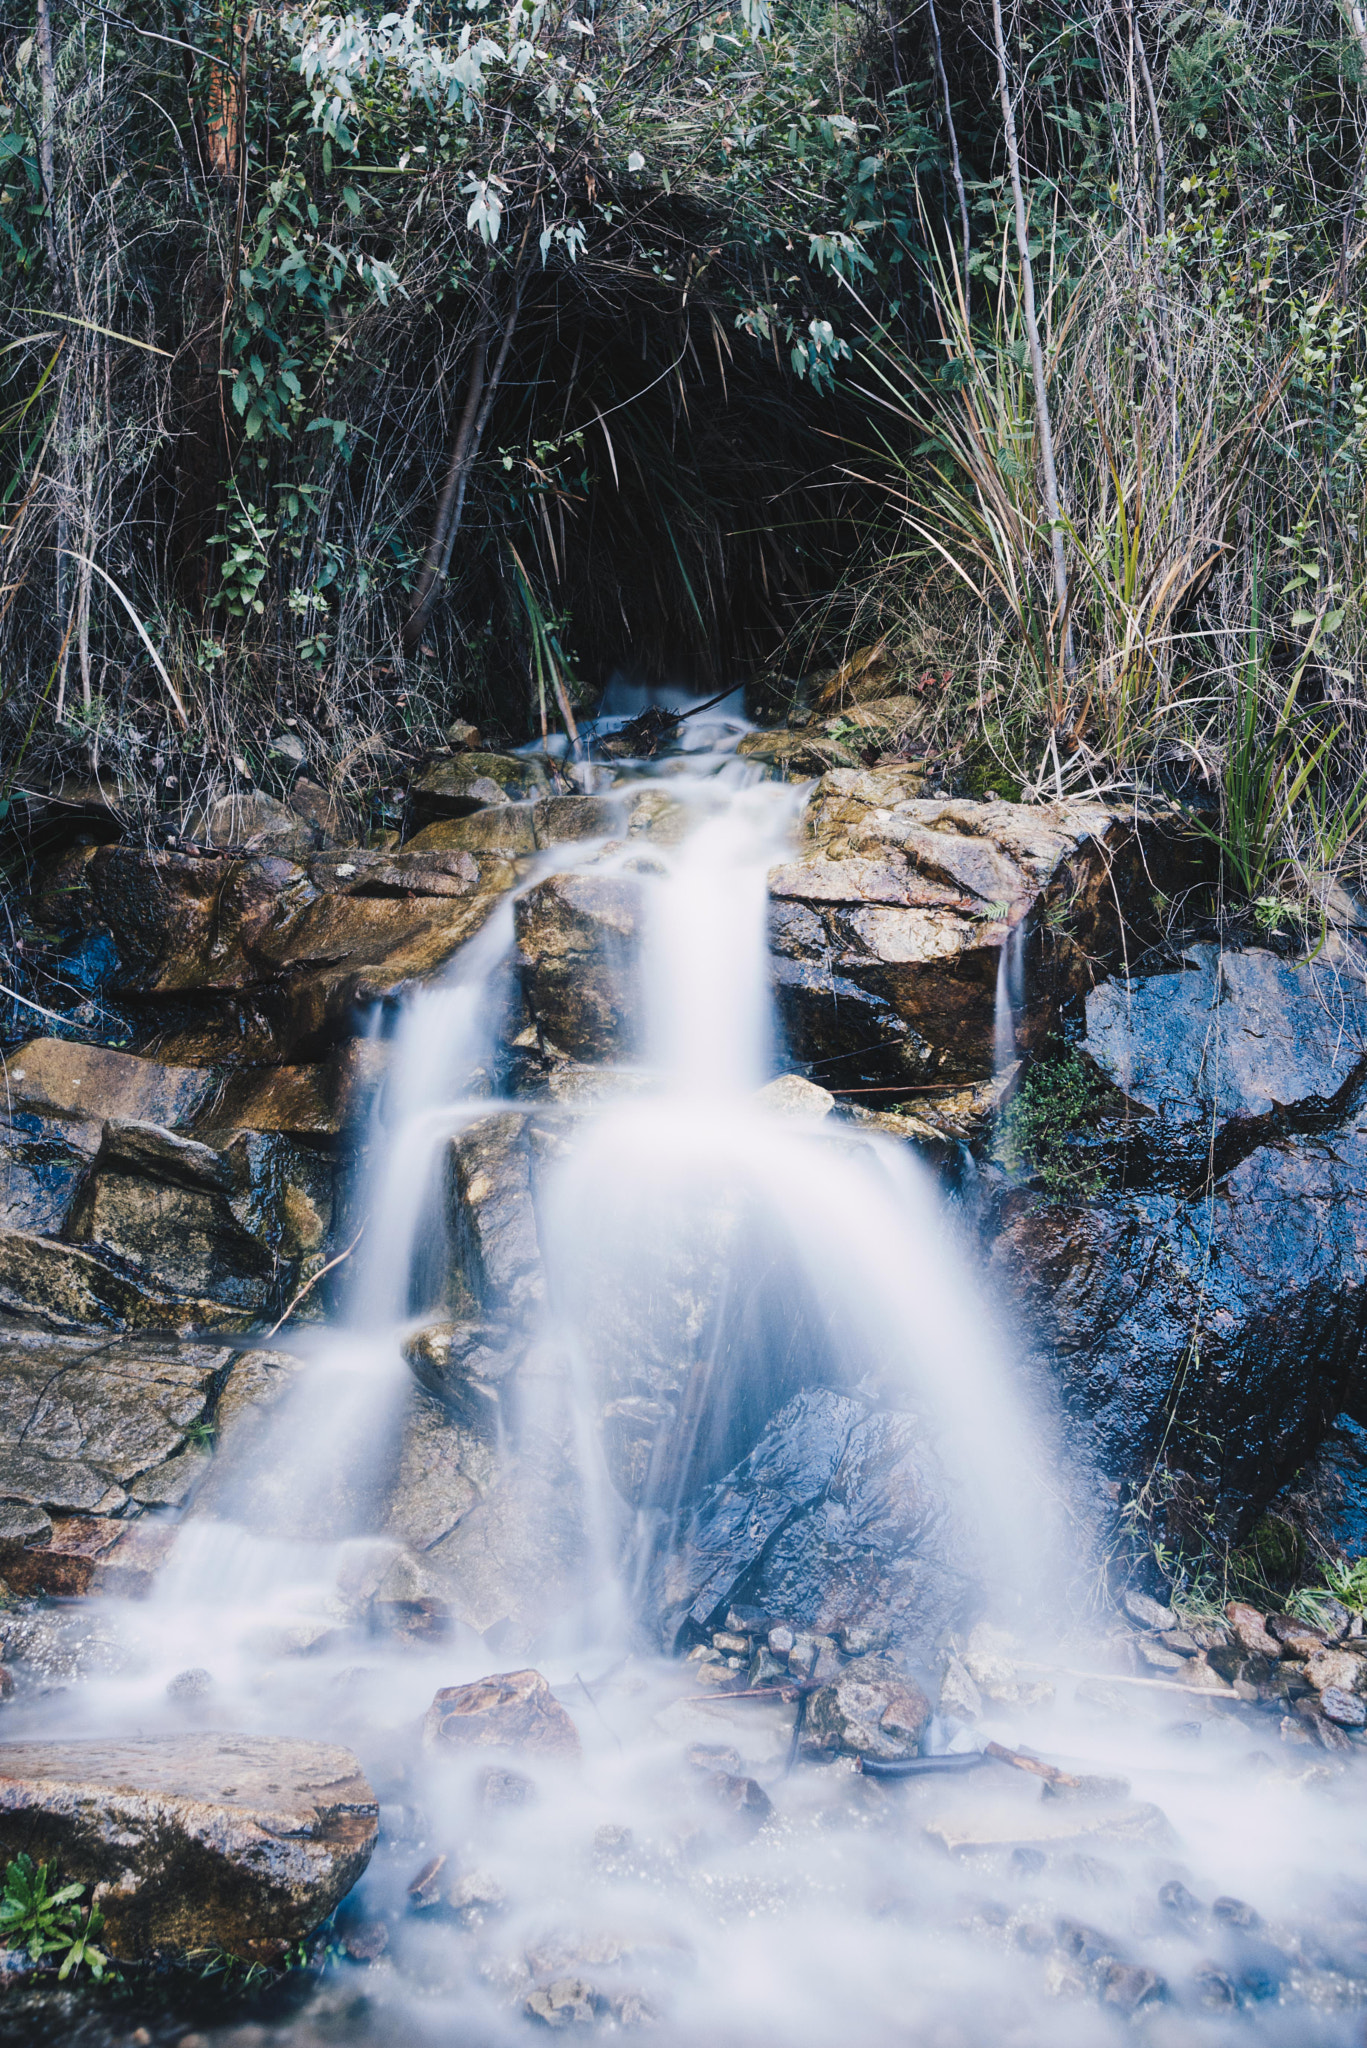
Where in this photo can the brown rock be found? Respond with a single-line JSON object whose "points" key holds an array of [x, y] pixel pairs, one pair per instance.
{"points": [[1298, 1638], [872, 1709], [64, 1287], [454, 785], [577, 938], [511, 1710], [1339, 1668], [499, 828], [235, 1842], [86, 1083], [299, 1102], [494, 1218], [1250, 1631]]}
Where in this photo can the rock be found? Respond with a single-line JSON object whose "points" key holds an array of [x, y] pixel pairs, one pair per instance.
{"points": [[1250, 1631], [837, 1516], [335, 822], [443, 1471], [1337, 1668], [887, 934], [1330, 1494], [565, 2002], [793, 756], [560, 818], [872, 1709], [1343, 1708], [792, 1096], [310, 1103], [53, 1077], [241, 1843], [493, 1215], [743, 1798], [251, 820], [84, 1421], [63, 1287], [1272, 1266], [990, 1659], [229, 1225], [453, 786], [991, 1824], [1157, 1657], [1131, 1986], [500, 828], [512, 1710], [42, 1163], [959, 1695], [578, 937], [1148, 1612], [465, 1365], [1230, 1033], [1296, 1638]]}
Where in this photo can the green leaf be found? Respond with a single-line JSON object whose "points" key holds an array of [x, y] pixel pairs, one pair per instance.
{"points": [[352, 197]]}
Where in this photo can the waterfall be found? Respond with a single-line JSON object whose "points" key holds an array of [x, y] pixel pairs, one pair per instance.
{"points": [[720, 1281]]}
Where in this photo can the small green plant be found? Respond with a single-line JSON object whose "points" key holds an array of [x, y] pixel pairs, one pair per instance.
{"points": [[50, 1923], [1038, 1127]]}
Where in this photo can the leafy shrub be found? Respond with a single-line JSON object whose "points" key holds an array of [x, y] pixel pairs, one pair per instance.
{"points": [[1038, 1129], [50, 1923]]}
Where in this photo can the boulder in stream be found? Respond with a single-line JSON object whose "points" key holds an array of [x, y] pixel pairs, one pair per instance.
{"points": [[509, 1710], [241, 1843]]}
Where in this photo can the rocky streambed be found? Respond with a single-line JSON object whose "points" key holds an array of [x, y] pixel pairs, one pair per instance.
{"points": [[672, 1574]]}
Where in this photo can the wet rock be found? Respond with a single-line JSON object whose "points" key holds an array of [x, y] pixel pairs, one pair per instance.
{"points": [[887, 934], [1330, 1495], [308, 1103], [494, 1218], [872, 1709], [990, 1659], [959, 1695], [578, 939], [1296, 1638], [511, 1710], [85, 1084], [1343, 1708], [1273, 1267], [443, 1471], [792, 1096], [1230, 1033], [453, 786], [227, 1842], [744, 1799], [230, 1225], [83, 1421], [560, 818], [837, 1516], [1131, 1986], [565, 2002], [1213, 1988], [499, 828]]}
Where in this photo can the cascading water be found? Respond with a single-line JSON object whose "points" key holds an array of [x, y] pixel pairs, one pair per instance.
{"points": [[716, 1254]]}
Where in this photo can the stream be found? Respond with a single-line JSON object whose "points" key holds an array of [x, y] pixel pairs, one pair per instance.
{"points": [[700, 1871]]}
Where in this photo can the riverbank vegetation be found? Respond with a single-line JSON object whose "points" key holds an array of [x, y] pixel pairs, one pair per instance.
{"points": [[366, 371]]}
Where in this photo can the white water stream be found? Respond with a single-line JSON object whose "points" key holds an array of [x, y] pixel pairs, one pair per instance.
{"points": [[841, 1919]]}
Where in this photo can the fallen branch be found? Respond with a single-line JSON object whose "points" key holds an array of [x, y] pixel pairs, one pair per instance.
{"points": [[309, 1285]]}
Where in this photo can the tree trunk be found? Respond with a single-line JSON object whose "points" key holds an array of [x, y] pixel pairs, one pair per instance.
{"points": [[437, 559]]}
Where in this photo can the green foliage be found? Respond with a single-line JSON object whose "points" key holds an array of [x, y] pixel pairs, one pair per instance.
{"points": [[1038, 1128], [49, 1924]]}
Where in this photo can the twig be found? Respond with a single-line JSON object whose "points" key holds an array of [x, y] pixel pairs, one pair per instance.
{"points": [[29, 1004], [309, 1285]]}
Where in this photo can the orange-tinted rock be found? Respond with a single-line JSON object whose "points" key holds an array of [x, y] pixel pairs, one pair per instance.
{"points": [[511, 1710]]}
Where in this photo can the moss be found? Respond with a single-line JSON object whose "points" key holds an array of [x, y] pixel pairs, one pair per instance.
{"points": [[1038, 1130]]}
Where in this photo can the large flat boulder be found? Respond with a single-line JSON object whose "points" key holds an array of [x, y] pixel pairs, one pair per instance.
{"points": [[888, 930], [53, 1078], [240, 1843]]}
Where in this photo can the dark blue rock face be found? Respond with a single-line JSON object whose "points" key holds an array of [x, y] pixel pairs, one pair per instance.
{"points": [[1215, 1318], [1334, 1488], [838, 1516]]}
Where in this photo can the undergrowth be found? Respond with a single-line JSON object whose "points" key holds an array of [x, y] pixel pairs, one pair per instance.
{"points": [[1041, 1125]]}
